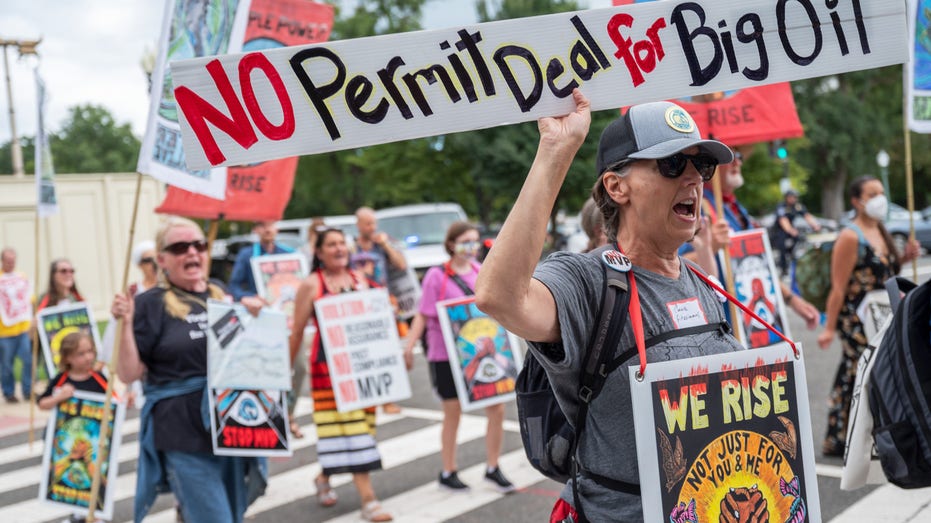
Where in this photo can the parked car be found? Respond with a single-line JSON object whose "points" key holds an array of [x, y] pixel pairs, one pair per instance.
{"points": [[899, 227], [419, 229], [422, 229]]}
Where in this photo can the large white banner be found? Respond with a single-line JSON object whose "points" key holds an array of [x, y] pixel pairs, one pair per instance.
{"points": [[250, 107], [362, 349], [190, 28]]}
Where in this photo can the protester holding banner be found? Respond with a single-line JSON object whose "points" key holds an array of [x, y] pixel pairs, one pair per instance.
{"points": [[242, 282], [454, 279], [163, 340], [736, 219], [346, 440], [15, 321], [373, 241], [863, 258], [650, 166], [78, 358]]}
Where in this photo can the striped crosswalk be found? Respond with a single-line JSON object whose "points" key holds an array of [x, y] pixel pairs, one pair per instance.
{"points": [[409, 443]]}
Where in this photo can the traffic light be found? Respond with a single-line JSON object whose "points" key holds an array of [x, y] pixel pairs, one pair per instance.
{"points": [[779, 149], [782, 153]]}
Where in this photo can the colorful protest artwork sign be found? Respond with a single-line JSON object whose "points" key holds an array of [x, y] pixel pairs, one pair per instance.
{"points": [[918, 68], [277, 277], [55, 323], [259, 191], [249, 423], [72, 440], [190, 28], [247, 352], [362, 349], [484, 358], [756, 285], [15, 304], [726, 438], [249, 107]]}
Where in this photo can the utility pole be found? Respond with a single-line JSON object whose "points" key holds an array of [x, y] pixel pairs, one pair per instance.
{"points": [[25, 47]]}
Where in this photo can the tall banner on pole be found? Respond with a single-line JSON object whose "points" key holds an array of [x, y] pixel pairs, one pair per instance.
{"points": [[190, 29], [918, 69], [260, 191], [47, 202]]}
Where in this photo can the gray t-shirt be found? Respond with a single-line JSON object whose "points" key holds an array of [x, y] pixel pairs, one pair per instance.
{"points": [[608, 447]]}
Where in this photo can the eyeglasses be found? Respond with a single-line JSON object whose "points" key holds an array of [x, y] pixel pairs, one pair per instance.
{"points": [[738, 156], [65, 270], [673, 166], [179, 248], [147, 259], [466, 246]]}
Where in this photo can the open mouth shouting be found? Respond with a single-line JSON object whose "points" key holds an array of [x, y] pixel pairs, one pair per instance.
{"points": [[687, 208]]}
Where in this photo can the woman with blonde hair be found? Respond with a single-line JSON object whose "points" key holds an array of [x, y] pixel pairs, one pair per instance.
{"points": [[164, 342]]}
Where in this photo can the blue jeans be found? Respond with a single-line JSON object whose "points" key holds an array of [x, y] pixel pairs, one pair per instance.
{"points": [[209, 488], [10, 348]]}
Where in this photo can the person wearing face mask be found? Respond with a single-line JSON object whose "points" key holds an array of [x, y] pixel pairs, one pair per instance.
{"points": [[737, 219], [454, 279], [863, 258]]}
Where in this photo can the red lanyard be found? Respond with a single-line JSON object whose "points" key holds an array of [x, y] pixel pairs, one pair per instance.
{"points": [[636, 316]]}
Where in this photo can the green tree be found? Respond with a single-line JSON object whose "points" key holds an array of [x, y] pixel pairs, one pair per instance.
{"points": [[91, 141], [848, 118]]}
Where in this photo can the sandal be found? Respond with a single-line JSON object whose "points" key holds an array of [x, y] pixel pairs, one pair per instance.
{"points": [[326, 496], [296, 430], [373, 511]]}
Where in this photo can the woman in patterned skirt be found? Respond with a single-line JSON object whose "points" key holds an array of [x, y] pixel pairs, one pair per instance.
{"points": [[346, 440], [863, 258]]}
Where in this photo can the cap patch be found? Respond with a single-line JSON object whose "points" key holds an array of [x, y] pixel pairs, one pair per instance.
{"points": [[616, 260], [679, 120]]}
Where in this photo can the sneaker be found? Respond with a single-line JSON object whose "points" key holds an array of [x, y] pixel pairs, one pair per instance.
{"points": [[453, 483], [11, 399], [501, 483]]}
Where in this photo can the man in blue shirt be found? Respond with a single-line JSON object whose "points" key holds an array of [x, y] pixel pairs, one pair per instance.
{"points": [[242, 283]]}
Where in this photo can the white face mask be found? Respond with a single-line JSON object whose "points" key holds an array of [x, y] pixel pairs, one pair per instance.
{"points": [[876, 207], [735, 180]]}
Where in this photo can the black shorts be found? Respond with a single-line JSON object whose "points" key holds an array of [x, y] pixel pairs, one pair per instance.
{"points": [[441, 376]]}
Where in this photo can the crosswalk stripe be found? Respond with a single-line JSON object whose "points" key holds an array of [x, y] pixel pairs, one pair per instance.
{"points": [[295, 484], [889, 503], [429, 504]]}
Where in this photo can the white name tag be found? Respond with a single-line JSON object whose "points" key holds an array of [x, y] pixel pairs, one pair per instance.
{"points": [[687, 313]]}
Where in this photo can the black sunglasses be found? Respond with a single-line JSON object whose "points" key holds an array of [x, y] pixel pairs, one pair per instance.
{"points": [[673, 166], [147, 259], [179, 248]]}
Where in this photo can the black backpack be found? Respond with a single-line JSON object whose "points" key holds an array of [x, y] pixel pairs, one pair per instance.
{"points": [[900, 388]]}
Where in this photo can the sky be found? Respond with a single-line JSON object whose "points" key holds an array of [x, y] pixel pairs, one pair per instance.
{"points": [[91, 52]]}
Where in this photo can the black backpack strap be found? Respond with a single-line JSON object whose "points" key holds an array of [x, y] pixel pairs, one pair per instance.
{"points": [[611, 321], [723, 327]]}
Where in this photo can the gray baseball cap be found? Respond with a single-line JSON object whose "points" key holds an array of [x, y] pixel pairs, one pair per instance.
{"points": [[654, 130]]}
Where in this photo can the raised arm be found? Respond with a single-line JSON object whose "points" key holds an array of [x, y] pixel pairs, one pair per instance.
{"points": [[129, 368], [505, 289]]}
